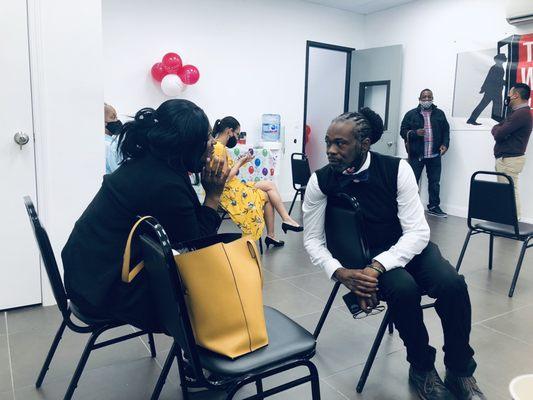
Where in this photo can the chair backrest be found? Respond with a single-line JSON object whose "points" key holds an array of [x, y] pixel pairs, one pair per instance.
{"points": [[344, 228], [300, 169], [47, 255], [492, 201], [167, 289]]}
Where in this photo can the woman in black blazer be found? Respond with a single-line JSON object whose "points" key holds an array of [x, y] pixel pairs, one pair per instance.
{"points": [[159, 148]]}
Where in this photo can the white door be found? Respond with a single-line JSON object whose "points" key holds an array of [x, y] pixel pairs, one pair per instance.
{"points": [[20, 280]]}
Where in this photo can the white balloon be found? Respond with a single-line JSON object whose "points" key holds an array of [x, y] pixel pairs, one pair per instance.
{"points": [[172, 86]]}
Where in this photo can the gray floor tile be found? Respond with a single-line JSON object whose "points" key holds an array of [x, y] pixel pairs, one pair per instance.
{"points": [[6, 395], [319, 285], [290, 300], [5, 372], [517, 323], [2, 323], [344, 342], [34, 319], [29, 349]]}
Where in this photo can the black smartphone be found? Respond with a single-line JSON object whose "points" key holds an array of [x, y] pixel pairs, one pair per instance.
{"points": [[350, 299]]}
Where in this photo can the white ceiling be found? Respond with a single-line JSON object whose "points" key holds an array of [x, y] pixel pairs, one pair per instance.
{"points": [[361, 6]]}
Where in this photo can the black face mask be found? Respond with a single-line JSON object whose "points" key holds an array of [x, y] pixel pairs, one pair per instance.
{"points": [[114, 126], [232, 142], [507, 101]]}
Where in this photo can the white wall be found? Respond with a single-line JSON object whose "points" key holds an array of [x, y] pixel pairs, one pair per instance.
{"points": [[432, 32], [67, 84], [251, 57]]}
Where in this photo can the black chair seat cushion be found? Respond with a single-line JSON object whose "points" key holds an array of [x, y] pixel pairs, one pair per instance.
{"points": [[90, 319], [286, 341], [507, 230]]}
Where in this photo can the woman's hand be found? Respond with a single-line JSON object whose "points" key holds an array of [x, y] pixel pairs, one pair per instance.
{"points": [[214, 176], [245, 158]]}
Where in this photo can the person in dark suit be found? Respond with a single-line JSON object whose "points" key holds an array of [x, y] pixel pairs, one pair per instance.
{"points": [[492, 90], [159, 148]]}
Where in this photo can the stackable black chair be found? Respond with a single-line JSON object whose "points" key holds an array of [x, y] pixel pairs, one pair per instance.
{"points": [[346, 241], [494, 204], [95, 325], [290, 345], [224, 215], [300, 175]]}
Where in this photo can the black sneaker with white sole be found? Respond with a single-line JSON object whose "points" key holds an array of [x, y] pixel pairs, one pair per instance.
{"points": [[437, 212]]}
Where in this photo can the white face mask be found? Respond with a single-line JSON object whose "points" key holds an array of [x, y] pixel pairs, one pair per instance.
{"points": [[426, 105]]}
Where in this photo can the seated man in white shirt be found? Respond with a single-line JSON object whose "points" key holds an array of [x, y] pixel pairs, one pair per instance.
{"points": [[404, 263]]}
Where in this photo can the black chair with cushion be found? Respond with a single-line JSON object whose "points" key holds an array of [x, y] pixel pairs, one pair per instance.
{"points": [[346, 241], [300, 175], [93, 324], [290, 345], [493, 205]]}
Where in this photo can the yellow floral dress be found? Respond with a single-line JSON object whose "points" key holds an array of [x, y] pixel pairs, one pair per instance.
{"points": [[243, 201]]}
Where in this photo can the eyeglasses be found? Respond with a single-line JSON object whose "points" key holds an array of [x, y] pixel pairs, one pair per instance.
{"points": [[362, 314]]}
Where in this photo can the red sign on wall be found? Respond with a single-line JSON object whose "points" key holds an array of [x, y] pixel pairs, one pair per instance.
{"points": [[524, 68]]}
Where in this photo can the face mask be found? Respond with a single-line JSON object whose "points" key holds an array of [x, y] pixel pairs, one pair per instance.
{"points": [[426, 105], [507, 101], [114, 126], [232, 142]]}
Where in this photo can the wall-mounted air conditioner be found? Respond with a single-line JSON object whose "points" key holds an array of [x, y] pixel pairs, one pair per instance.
{"points": [[519, 11]]}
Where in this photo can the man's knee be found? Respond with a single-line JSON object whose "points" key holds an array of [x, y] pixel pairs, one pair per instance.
{"points": [[404, 293], [454, 286]]}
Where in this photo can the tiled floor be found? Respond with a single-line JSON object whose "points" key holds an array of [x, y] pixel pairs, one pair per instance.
{"points": [[502, 334]]}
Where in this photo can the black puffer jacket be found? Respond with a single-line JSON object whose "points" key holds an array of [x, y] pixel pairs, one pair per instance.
{"points": [[414, 120]]}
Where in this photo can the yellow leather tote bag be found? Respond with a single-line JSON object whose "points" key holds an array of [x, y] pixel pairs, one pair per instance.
{"points": [[223, 290]]}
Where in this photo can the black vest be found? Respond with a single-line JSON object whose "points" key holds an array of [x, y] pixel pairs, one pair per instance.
{"points": [[376, 196]]}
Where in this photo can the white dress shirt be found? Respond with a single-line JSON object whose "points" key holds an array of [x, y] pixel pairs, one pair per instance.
{"points": [[415, 229]]}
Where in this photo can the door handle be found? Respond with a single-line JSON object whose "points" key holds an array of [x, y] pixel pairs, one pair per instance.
{"points": [[21, 139]]}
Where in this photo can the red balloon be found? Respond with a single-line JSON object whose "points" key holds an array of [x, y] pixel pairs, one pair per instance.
{"points": [[251, 170], [172, 61], [158, 71], [189, 74]]}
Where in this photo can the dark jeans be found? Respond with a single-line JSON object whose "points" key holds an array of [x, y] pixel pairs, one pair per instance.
{"points": [[433, 170], [429, 273]]}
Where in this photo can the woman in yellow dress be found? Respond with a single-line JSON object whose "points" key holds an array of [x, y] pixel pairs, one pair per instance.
{"points": [[250, 205]]}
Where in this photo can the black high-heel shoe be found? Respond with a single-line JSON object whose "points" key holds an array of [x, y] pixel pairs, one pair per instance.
{"points": [[288, 227], [276, 243]]}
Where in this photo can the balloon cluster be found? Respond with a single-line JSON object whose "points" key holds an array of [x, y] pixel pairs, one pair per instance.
{"points": [[173, 75]]}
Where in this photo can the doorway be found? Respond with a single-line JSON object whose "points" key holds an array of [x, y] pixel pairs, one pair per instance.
{"points": [[327, 94], [339, 79]]}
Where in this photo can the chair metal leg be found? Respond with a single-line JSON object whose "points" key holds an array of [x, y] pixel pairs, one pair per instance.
{"points": [[164, 373], [491, 251], [151, 342], [391, 328], [324, 315], [261, 245], [181, 371], [373, 352], [518, 266], [81, 364], [259, 386], [293, 201], [51, 353], [463, 251], [315, 381]]}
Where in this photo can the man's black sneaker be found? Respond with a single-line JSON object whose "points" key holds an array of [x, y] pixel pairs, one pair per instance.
{"points": [[437, 212], [428, 385], [464, 388]]}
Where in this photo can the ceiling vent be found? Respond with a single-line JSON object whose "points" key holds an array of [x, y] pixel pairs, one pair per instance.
{"points": [[519, 11]]}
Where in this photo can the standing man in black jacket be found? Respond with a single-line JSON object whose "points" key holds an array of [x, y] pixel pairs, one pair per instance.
{"points": [[427, 138]]}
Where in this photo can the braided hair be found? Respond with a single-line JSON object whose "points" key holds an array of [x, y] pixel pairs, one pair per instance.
{"points": [[367, 124]]}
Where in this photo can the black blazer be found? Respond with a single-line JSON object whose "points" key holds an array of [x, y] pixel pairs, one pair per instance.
{"points": [[92, 257], [414, 120]]}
